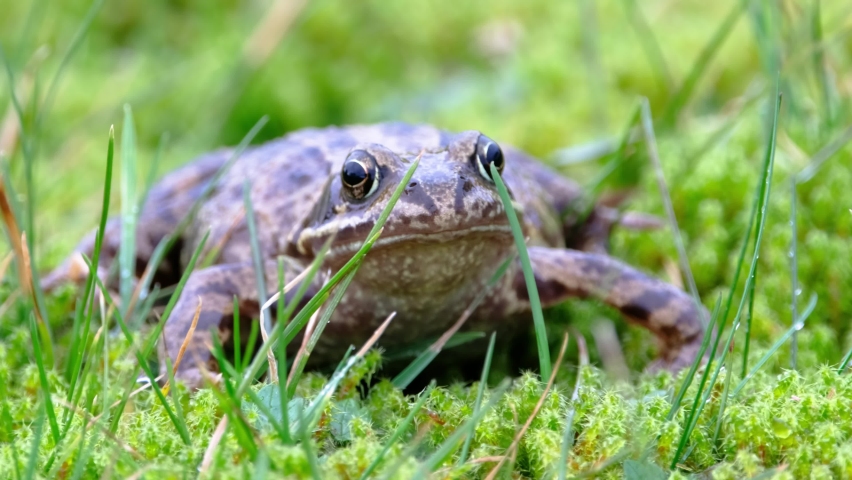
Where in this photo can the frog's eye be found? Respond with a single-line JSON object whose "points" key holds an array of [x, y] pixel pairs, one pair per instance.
{"points": [[488, 152], [360, 174]]}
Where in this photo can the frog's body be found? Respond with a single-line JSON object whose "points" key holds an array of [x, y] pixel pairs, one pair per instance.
{"points": [[442, 242]]}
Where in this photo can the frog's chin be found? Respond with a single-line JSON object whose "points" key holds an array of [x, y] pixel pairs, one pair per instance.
{"points": [[436, 265], [410, 243]]}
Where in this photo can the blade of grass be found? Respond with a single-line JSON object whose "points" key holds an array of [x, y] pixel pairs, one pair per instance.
{"points": [[765, 190], [302, 358], [692, 413], [728, 303], [466, 428], [293, 327], [529, 277], [820, 71], [800, 322], [758, 218], [592, 59], [142, 356], [29, 193], [78, 344], [38, 431], [823, 155], [261, 466], [568, 435], [401, 428], [324, 395], [73, 45], [252, 340], [169, 241], [42, 377], [649, 44], [282, 360], [129, 211], [483, 381], [683, 94], [174, 392], [190, 266], [404, 378], [653, 154], [255, 244], [82, 459], [238, 359], [313, 464], [845, 362], [511, 451], [794, 274]]}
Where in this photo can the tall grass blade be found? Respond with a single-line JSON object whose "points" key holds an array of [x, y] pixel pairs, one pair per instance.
{"points": [[38, 431], [827, 92], [480, 391], [683, 94], [400, 430], [794, 274], [650, 45], [544, 363], [452, 335], [78, 344], [73, 45], [169, 241], [651, 145], [282, 360], [823, 155], [255, 245], [42, 377], [466, 428], [301, 319], [798, 325], [765, 190], [129, 211]]}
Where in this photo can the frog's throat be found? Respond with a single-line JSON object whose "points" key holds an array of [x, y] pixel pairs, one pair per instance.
{"points": [[349, 249]]}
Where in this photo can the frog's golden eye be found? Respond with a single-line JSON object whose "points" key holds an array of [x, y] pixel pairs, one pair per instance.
{"points": [[487, 152], [360, 174]]}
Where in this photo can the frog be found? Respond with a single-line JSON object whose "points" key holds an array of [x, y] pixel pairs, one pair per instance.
{"points": [[322, 189]]}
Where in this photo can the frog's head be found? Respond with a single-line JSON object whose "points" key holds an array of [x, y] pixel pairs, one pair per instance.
{"points": [[449, 225]]}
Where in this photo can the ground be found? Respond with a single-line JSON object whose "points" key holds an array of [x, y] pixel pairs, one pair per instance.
{"points": [[559, 79]]}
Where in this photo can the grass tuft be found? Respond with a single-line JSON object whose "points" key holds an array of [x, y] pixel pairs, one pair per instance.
{"points": [[544, 364]]}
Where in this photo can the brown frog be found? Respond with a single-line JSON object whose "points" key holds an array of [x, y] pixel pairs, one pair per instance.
{"points": [[444, 239]]}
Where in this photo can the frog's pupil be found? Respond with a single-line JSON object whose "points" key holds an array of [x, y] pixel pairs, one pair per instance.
{"points": [[494, 155], [488, 152], [354, 173]]}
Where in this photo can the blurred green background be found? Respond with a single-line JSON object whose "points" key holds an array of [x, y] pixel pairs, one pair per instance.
{"points": [[543, 75]]}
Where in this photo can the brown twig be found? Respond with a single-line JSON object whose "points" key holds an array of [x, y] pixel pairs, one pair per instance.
{"points": [[303, 349], [186, 340]]}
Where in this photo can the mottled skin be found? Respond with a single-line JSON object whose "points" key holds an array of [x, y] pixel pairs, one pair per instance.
{"points": [[443, 240]]}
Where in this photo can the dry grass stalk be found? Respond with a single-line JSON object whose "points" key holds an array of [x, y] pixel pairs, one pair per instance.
{"points": [[510, 452]]}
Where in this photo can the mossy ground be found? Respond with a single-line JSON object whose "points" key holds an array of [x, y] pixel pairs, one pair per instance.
{"points": [[541, 75]]}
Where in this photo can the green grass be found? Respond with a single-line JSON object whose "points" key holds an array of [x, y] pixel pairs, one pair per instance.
{"points": [[706, 149]]}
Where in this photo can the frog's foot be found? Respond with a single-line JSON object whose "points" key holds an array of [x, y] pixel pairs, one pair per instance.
{"points": [[210, 292], [668, 312]]}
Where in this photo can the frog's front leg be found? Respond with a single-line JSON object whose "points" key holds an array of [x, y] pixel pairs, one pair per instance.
{"points": [[215, 288], [668, 312]]}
